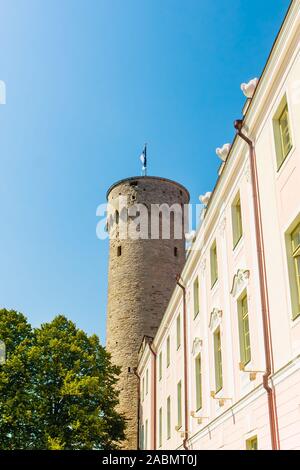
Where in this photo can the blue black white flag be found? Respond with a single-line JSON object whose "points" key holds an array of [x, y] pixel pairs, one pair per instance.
{"points": [[143, 158]]}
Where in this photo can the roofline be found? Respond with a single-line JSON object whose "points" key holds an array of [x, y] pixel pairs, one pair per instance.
{"points": [[141, 178]]}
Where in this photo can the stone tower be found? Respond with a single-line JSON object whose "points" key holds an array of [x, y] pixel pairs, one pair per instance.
{"points": [[141, 279]]}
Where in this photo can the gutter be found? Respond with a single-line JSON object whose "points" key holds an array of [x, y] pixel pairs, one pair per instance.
{"points": [[185, 361], [273, 419], [154, 354]]}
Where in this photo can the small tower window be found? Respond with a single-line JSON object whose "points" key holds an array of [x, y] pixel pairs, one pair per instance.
{"points": [[175, 251], [117, 217], [119, 250]]}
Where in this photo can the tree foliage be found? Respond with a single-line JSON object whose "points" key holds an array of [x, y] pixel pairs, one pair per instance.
{"points": [[57, 388]]}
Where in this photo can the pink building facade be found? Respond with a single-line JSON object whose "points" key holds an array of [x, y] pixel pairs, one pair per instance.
{"points": [[201, 376]]}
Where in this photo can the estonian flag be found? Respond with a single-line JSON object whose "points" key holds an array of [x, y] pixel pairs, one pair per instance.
{"points": [[143, 158]]}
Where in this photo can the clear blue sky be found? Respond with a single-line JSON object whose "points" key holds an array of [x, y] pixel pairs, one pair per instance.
{"points": [[88, 82]]}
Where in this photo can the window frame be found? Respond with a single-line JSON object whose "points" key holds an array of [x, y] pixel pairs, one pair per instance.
{"points": [[160, 359], [169, 417], [178, 331], [243, 323], [282, 153], [160, 424], [236, 220], [293, 255], [198, 382], [214, 271], [168, 347], [250, 441], [179, 404], [218, 360], [196, 297]]}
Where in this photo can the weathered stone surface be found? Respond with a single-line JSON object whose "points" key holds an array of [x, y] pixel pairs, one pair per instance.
{"points": [[141, 282]]}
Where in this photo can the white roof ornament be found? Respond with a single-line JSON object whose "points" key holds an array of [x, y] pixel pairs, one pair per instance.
{"points": [[190, 237], [205, 198], [223, 151], [249, 88]]}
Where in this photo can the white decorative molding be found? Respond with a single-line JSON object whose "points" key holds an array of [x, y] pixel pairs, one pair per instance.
{"points": [[204, 198], [190, 236], [240, 282], [249, 88], [215, 318], [197, 345], [223, 151]]}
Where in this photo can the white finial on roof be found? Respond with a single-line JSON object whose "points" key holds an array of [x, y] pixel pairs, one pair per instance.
{"points": [[249, 88], [223, 151], [204, 198]]}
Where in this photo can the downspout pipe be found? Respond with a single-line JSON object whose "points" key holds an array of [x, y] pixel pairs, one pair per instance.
{"points": [[273, 419], [154, 354], [138, 406], [185, 362]]}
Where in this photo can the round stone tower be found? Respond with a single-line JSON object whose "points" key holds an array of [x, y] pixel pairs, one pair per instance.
{"points": [[142, 274]]}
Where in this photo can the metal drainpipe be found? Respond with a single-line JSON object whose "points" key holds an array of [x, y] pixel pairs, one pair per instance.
{"points": [[186, 408], [138, 405], [274, 431], [154, 393]]}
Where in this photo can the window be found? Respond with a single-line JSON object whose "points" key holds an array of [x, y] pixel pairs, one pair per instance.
{"points": [[245, 349], [175, 251], [143, 388], [168, 351], [119, 250], [218, 360], [168, 417], [179, 405], [160, 428], [147, 381], [252, 443], [293, 250], [146, 435], [160, 365], [213, 264], [198, 377], [236, 215], [178, 328], [196, 297], [282, 132], [142, 437]]}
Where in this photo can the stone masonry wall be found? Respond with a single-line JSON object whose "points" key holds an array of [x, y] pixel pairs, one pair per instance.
{"points": [[141, 282]]}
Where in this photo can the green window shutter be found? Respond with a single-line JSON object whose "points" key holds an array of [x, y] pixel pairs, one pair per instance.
{"points": [[198, 378]]}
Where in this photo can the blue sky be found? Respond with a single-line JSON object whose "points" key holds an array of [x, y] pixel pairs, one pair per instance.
{"points": [[88, 82]]}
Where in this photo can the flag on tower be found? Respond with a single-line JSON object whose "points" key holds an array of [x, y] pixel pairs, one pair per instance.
{"points": [[143, 158]]}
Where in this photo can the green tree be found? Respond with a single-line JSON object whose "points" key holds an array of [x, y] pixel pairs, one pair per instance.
{"points": [[57, 388]]}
